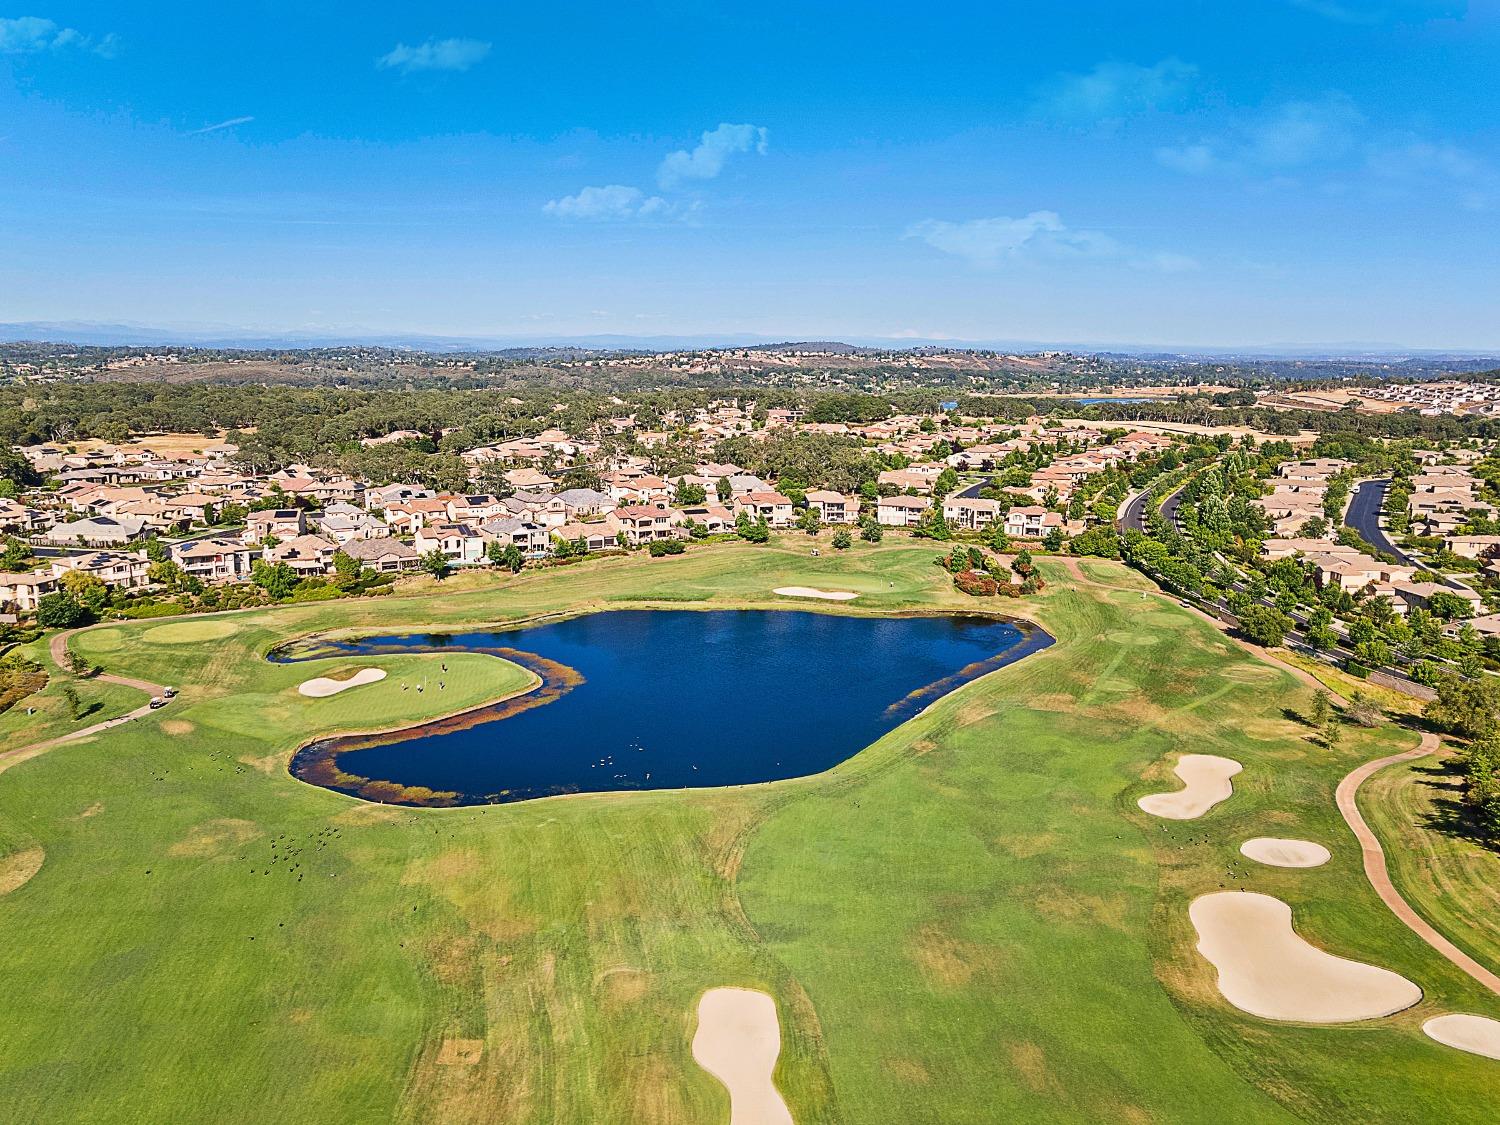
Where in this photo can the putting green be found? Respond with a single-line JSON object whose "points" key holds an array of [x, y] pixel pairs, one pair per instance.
{"points": [[186, 632]]}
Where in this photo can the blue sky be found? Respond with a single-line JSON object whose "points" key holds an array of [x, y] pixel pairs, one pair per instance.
{"points": [[1274, 171]]}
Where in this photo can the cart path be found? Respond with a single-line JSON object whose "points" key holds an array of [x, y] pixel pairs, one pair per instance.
{"points": [[1379, 876], [58, 648]]}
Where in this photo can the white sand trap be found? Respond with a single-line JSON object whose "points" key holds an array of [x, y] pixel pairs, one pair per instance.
{"points": [[1266, 969], [737, 1042], [811, 592], [322, 686], [1206, 777], [1479, 1035], [1285, 853]]}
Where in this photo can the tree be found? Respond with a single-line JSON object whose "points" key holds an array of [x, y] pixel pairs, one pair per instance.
{"points": [[723, 490], [156, 550], [88, 590], [62, 611], [660, 547], [934, 526], [1053, 540], [1101, 542], [16, 555], [996, 539], [808, 521], [842, 540], [512, 559], [1331, 732], [1447, 607], [346, 570], [278, 580], [1322, 706], [435, 563], [75, 705], [870, 530], [690, 493], [1362, 711], [1022, 564], [1265, 626], [946, 482], [1467, 707]]}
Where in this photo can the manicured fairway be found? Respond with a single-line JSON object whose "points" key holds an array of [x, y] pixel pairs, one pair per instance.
{"points": [[969, 922]]}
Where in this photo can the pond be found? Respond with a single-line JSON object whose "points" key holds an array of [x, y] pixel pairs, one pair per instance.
{"points": [[663, 699]]}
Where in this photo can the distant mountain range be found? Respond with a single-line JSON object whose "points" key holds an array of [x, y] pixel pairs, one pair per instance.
{"points": [[95, 334]]}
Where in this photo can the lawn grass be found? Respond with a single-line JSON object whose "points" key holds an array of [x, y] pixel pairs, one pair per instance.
{"points": [[969, 921]]}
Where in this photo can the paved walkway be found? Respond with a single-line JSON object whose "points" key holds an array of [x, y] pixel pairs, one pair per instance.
{"points": [[58, 647], [1379, 876]]}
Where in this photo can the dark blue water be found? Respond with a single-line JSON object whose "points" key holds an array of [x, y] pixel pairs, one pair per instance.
{"points": [[1110, 398], [655, 699]]}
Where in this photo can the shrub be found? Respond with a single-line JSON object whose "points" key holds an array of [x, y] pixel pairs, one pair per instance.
{"points": [[976, 584], [660, 547]]}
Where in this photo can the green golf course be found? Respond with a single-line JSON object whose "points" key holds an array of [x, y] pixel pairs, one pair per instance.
{"points": [[969, 921]]}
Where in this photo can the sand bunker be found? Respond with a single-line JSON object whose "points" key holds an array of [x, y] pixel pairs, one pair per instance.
{"points": [[1479, 1035], [322, 686], [1285, 853], [1266, 969], [1206, 778], [737, 1042], [810, 592]]}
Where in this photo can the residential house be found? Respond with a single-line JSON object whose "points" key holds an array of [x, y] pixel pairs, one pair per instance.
{"points": [[384, 555], [593, 536], [117, 569], [640, 523], [833, 507], [901, 511], [283, 523], [1031, 522], [458, 542], [20, 593], [970, 513], [98, 531], [305, 554], [531, 538], [215, 560], [772, 507]]}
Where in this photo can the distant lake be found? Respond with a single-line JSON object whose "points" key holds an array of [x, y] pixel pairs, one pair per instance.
{"points": [[1115, 398], [663, 699]]}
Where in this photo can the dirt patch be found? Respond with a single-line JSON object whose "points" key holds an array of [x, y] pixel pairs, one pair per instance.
{"points": [[1053, 904], [624, 985], [178, 727], [460, 1052], [1250, 674], [1125, 637], [270, 764], [356, 815], [1052, 701], [93, 810], [1030, 1064], [909, 1071], [946, 960], [18, 868], [214, 837]]}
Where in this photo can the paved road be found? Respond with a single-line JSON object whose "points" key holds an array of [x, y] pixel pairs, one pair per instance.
{"points": [[1364, 517], [1380, 877], [1133, 515]]}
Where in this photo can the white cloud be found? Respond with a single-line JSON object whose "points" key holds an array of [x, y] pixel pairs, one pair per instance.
{"points": [[1290, 135], [230, 124], [1114, 89], [29, 35], [1303, 132], [988, 242], [435, 54], [714, 149], [1038, 236], [612, 202]]}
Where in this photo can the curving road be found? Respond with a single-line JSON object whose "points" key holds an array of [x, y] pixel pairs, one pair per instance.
{"points": [[1379, 875], [1364, 517]]}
